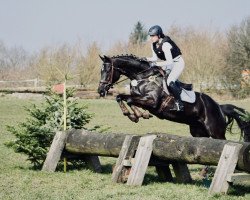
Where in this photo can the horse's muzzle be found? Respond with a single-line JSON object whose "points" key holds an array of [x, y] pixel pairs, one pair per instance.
{"points": [[103, 89], [102, 94]]}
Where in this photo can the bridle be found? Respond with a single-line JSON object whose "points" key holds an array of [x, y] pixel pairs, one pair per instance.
{"points": [[110, 78]]}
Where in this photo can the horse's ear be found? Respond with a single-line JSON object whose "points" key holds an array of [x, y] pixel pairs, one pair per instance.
{"points": [[107, 58], [102, 58]]}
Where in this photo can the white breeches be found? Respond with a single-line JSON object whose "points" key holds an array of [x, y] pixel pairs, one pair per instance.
{"points": [[177, 68]]}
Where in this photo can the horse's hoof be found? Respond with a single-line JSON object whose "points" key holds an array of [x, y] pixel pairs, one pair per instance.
{"points": [[126, 113], [133, 118], [146, 115], [136, 120]]}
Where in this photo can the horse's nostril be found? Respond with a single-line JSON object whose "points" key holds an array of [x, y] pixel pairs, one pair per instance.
{"points": [[102, 94]]}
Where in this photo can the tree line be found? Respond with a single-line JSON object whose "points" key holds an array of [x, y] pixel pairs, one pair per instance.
{"points": [[214, 59]]}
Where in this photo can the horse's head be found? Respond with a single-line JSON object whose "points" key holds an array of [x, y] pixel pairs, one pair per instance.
{"points": [[109, 75], [128, 65]]}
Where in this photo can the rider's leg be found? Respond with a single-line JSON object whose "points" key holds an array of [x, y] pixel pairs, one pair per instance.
{"points": [[173, 76], [176, 91]]}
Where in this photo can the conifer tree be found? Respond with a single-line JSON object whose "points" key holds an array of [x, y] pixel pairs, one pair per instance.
{"points": [[139, 34]]}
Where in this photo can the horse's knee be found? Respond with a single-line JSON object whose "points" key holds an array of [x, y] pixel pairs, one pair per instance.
{"points": [[129, 101], [118, 98]]}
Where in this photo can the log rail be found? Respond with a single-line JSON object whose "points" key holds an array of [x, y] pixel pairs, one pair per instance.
{"points": [[190, 150]]}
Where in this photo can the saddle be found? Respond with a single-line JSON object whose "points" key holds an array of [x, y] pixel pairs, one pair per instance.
{"points": [[186, 86]]}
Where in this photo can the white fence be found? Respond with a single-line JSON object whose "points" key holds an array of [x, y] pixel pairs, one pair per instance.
{"points": [[37, 85], [31, 83]]}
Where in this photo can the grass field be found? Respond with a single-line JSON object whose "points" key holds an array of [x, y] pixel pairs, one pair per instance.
{"points": [[18, 181]]}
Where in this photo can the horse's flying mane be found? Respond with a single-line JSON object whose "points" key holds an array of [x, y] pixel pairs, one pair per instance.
{"points": [[131, 56]]}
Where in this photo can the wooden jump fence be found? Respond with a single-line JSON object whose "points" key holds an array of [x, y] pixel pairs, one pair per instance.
{"points": [[136, 152]]}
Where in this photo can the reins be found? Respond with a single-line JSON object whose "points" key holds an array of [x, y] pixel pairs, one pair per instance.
{"points": [[128, 78], [109, 81]]}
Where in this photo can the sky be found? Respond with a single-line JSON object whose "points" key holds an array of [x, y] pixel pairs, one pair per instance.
{"points": [[34, 24]]}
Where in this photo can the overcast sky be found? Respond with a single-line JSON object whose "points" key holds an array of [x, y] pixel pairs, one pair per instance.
{"points": [[34, 24]]}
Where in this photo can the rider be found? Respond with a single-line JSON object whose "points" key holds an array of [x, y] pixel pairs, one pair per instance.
{"points": [[165, 50]]}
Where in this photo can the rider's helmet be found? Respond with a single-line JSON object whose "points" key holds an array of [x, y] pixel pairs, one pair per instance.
{"points": [[155, 30]]}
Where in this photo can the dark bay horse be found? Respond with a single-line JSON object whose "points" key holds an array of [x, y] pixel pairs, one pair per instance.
{"points": [[205, 117]]}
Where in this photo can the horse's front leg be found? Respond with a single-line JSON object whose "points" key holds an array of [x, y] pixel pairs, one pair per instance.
{"points": [[124, 109], [138, 113], [128, 99], [133, 101], [134, 117]]}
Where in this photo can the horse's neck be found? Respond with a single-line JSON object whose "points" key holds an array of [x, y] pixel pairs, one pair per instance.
{"points": [[130, 69]]}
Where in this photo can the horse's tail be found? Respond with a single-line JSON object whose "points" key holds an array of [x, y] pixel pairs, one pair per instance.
{"points": [[235, 113]]}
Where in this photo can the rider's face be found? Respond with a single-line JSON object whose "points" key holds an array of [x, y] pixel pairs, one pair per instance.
{"points": [[154, 38]]}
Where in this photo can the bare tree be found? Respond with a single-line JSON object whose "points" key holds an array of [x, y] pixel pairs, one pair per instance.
{"points": [[89, 66], [54, 63], [238, 57], [12, 61], [203, 54]]}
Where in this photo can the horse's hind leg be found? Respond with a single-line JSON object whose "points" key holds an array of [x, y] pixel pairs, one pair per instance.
{"points": [[199, 130]]}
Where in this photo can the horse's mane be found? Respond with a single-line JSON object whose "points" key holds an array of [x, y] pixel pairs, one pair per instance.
{"points": [[131, 56], [136, 58]]}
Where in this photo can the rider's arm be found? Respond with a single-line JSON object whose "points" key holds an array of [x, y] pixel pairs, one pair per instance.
{"points": [[168, 63], [154, 56]]}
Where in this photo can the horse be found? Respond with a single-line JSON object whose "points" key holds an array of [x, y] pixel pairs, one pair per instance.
{"points": [[205, 117]]}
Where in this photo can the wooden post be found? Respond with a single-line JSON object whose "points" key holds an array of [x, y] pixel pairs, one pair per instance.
{"points": [[162, 169], [55, 151], [126, 154], [94, 163], [182, 172], [142, 158], [164, 173], [238, 177], [226, 166]]}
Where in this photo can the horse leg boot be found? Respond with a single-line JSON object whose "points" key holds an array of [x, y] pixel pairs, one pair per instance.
{"points": [[176, 91]]}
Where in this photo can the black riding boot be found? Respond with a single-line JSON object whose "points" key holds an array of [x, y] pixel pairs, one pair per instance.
{"points": [[176, 91]]}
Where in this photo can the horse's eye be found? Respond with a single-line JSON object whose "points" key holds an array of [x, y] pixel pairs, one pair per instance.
{"points": [[106, 67]]}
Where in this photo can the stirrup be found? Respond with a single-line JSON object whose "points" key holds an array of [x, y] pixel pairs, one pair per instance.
{"points": [[178, 107]]}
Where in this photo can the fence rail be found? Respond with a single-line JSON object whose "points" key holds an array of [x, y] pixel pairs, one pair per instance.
{"points": [[40, 86], [22, 83]]}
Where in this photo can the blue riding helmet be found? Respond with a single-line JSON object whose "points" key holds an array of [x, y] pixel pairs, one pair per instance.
{"points": [[155, 30]]}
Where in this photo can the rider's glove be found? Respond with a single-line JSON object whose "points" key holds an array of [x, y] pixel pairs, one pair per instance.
{"points": [[167, 71], [152, 64]]}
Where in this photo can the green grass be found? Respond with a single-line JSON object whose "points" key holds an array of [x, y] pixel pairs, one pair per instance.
{"points": [[18, 181]]}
